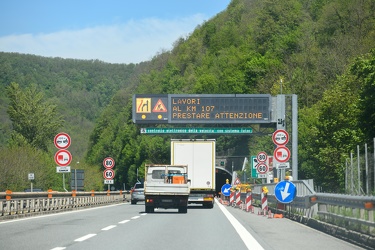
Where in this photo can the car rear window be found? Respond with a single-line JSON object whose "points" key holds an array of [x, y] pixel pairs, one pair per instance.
{"points": [[138, 185]]}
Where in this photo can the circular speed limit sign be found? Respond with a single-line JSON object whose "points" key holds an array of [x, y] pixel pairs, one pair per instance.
{"points": [[108, 162], [262, 157], [108, 174], [262, 168]]}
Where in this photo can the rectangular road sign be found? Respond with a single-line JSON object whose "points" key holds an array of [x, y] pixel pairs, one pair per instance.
{"points": [[62, 169], [108, 181], [209, 108], [196, 130]]}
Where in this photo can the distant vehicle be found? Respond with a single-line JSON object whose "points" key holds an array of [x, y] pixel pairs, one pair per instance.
{"points": [[137, 193], [166, 186], [200, 156]]}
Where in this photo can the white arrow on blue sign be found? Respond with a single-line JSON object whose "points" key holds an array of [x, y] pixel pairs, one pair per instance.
{"points": [[225, 189], [285, 191]]}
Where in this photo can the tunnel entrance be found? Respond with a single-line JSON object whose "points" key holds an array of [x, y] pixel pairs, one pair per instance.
{"points": [[221, 176]]}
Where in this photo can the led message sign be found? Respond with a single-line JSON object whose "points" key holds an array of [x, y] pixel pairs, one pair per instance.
{"points": [[201, 108]]}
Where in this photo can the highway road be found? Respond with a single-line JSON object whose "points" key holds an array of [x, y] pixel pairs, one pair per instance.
{"points": [[125, 226]]}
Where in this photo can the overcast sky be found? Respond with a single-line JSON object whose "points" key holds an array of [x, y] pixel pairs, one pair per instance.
{"points": [[114, 31]]}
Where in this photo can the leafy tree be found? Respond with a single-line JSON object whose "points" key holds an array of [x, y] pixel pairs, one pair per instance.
{"points": [[329, 133], [33, 119], [17, 162], [364, 71]]}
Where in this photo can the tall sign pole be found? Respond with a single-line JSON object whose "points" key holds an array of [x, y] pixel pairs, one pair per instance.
{"points": [[294, 137], [280, 125]]}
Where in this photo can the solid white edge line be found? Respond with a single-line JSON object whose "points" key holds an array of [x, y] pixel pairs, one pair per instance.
{"points": [[88, 236], [108, 228], [246, 237]]}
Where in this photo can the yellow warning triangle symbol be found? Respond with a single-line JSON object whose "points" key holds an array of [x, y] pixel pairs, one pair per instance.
{"points": [[159, 107]]}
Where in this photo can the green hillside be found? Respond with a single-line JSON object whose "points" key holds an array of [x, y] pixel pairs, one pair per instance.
{"points": [[320, 50]]}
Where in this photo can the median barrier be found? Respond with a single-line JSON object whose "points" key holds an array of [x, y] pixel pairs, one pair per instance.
{"points": [[17, 204]]}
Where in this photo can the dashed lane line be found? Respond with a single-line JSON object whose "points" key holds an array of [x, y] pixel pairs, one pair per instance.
{"points": [[124, 221], [108, 228], [88, 236]]}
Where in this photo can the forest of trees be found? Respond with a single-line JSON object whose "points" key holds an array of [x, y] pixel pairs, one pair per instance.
{"points": [[322, 50]]}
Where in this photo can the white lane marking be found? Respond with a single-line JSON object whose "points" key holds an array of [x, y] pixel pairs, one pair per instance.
{"points": [[246, 237], [124, 221], [85, 237], [58, 248], [135, 217], [143, 214], [108, 228]]}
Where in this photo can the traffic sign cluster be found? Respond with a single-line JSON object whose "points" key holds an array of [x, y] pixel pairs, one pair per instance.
{"points": [[108, 173], [280, 138], [262, 166], [62, 157]]}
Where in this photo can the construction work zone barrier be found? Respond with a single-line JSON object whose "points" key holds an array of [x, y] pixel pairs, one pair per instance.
{"points": [[248, 200], [245, 202], [238, 199], [264, 201], [224, 199], [231, 198]]}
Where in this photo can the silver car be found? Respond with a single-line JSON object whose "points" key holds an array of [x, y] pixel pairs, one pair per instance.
{"points": [[137, 193]]}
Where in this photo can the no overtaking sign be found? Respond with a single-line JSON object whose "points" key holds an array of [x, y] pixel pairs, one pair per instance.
{"points": [[280, 137]]}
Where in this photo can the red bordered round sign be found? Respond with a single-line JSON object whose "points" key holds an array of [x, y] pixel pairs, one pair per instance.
{"points": [[108, 162], [62, 141], [281, 154], [262, 157], [108, 174], [63, 158], [280, 137], [262, 168]]}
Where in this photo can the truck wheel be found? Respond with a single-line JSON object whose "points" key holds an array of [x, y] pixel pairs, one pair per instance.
{"points": [[149, 209], [182, 210]]}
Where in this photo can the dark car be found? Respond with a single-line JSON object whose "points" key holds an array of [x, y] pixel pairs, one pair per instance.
{"points": [[137, 193]]}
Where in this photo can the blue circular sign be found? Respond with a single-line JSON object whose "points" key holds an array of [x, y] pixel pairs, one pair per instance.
{"points": [[225, 189], [285, 191]]}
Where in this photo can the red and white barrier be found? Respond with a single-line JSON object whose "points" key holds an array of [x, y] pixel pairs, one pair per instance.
{"points": [[231, 198], [248, 200], [238, 198], [264, 201]]}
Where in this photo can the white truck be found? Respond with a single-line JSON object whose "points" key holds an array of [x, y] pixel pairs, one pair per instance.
{"points": [[166, 186], [200, 156]]}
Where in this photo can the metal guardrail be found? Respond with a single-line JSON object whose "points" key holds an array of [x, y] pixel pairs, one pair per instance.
{"points": [[352, 212], [28, 203]]}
